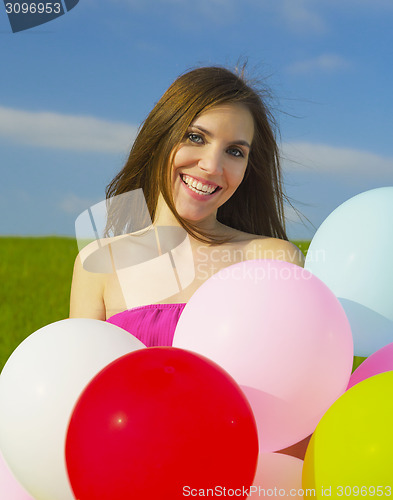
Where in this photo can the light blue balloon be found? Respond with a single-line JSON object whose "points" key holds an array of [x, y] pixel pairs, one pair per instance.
{"points": [[352, 253], [372, 330]]}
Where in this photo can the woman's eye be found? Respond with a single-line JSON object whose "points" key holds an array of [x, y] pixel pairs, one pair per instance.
{"points": [[195, 138], [238, 153]]}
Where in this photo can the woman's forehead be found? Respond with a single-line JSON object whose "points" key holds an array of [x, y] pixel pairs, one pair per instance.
{"points": [[232, 118]]}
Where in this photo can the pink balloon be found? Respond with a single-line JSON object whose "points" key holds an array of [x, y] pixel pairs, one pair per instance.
{"points": [[282, 335], [379, 362], [277, 475], [10, 489]]}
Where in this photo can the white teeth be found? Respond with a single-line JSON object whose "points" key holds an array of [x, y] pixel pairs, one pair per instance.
{"points": [[197, 186], [199, 192]]}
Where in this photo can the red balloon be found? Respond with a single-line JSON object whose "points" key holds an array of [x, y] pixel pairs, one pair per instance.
{"points": [[161, 423]]}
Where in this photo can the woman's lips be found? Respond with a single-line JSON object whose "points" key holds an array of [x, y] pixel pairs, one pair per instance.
{"points": [[201, 185], [196, 191]]}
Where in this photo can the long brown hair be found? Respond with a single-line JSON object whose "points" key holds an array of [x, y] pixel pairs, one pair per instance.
{"points": [[256, 206]]}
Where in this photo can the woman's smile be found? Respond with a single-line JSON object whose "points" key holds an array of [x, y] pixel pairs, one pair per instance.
{"points": [[199, 186]]}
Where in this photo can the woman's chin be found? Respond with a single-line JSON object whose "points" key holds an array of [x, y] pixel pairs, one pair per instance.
{"points": [[199, 220]]}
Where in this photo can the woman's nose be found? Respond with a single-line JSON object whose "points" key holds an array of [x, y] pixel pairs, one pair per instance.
{"points": [[211, 161]]}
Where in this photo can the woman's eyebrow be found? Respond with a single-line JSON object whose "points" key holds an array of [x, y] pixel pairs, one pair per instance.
{"points": [[240, 141]]}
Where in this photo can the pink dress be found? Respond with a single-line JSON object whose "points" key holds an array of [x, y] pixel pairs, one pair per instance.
{"points": [[154, 324]]}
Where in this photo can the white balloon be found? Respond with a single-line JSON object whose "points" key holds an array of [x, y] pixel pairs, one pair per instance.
{"points": [[277, 475], [39, 387], [351, 252]]}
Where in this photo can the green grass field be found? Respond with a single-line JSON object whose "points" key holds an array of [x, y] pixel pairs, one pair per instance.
{"points": [[35, 276]]}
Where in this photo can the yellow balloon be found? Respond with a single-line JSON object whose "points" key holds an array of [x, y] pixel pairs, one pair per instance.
{"points": [[351, 451]]}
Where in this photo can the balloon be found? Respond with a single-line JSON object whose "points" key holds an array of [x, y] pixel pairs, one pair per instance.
{"points": [[277, 475], [379, 362], [160, 423], [371, 330], [351, 253], [39, 386], [10, 489], [350, 453], [282, 335]]}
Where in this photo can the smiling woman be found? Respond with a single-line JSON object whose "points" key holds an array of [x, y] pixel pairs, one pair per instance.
{"points": [[207, 162], [182, 117]]}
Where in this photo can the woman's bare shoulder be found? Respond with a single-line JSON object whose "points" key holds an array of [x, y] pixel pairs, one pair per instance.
{"points": [[93, 265], [264, 247], [96, 255]]}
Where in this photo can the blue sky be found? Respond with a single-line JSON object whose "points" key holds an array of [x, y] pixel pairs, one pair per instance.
{"points": [[73, 92]]}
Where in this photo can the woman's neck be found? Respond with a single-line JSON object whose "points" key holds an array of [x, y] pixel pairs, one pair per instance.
{"points": [[164, 217]]}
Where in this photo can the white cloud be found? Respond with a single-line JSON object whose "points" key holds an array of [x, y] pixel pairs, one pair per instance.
{"points": [[300, 17], [69, 132], [308, 17], [325, 159], [325, 63], [74, 205], [184, 14]]}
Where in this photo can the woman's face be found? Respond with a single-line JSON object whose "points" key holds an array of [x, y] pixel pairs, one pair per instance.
{"points": [[210, 163]]}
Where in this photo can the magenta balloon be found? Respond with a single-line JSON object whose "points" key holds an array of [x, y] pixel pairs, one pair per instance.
{"points": [[282, 335], [10, 489], [379, 362]]}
